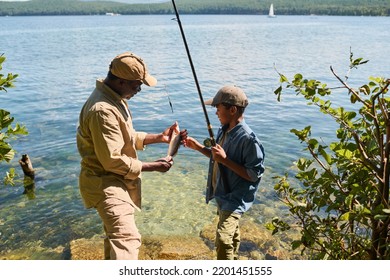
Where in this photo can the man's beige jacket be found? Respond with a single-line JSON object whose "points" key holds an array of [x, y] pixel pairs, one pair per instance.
{"points": [[108, 144]]}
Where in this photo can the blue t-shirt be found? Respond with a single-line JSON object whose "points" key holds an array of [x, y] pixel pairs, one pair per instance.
{"points": [[232, 192]]}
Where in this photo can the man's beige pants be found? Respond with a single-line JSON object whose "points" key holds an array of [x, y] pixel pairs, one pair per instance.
{"points": [[122, 239]]}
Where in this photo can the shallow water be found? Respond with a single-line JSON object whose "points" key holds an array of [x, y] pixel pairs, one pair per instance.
{"points": [[59, 58]]}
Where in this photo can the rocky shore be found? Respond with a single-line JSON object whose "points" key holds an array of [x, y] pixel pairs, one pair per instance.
{"points": [[257, 244]]}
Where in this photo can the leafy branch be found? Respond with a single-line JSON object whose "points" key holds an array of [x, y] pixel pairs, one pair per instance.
{"points": [[7, 131], [342, 202]]}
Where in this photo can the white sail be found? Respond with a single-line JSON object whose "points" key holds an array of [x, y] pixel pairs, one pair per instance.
{"points": [[271, 11]]}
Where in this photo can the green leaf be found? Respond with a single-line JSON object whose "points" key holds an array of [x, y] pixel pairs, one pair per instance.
{"points": [[348, 200], [346, 153], [295, 244], [365, 89], [345, 217], [5, 119], [381, 217], [278, 92], [353, 98], [313, 143], [302, 134], [298, 77], [325, 155], [270, 226], [9, 178], [283, 79], [6, 154]]}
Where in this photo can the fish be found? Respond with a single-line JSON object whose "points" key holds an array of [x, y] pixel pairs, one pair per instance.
{"points": [[175, 142]]}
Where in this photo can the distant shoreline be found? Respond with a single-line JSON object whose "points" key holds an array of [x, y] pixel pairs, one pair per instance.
{"points": [[103, 15], [194, 7]]}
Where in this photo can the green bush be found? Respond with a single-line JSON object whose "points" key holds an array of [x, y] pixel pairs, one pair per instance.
{"points": [[7, 131], [341, 204]]}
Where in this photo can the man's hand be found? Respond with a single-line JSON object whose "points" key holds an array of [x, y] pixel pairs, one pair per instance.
{"points": [[167, 133], [160, 165]]}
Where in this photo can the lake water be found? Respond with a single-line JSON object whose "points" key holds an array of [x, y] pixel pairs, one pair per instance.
{"points": [[59, 58]]}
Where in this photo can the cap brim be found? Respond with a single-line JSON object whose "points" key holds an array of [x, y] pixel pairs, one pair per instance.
{"points": [[150, 80], [209, 102]]}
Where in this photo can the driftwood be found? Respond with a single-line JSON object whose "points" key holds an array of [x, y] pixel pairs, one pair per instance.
{"points": [[29, 176]]}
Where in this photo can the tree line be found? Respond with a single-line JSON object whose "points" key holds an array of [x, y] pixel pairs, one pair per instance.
{"points": [[282, 7]]}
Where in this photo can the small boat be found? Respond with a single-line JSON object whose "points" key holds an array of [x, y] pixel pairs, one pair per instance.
{"points": [[271, 13]]}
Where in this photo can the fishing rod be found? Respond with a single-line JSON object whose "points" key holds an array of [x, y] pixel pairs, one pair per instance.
{"points": [[211, 141]]}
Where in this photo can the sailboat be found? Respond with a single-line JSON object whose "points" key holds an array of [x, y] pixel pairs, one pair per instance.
{"points": [[271, 13]]}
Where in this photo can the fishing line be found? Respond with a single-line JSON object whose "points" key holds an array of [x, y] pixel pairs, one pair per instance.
{"points": [[165, 87], [169, 99], [211, 141]]}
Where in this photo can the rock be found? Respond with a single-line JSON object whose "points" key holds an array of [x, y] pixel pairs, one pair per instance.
{"points": [[152, 248], [87, 249], [257, 243], [175, 248]]}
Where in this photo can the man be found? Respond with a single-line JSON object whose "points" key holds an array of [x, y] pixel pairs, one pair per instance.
{"points": [[235, 169], [110, 176]]}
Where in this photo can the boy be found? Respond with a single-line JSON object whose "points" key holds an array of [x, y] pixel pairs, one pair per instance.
{"points": [[235, 169]]}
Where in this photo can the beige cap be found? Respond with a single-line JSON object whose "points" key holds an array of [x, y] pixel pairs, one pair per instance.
{"points": [[232, 95], [131, 67]]}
